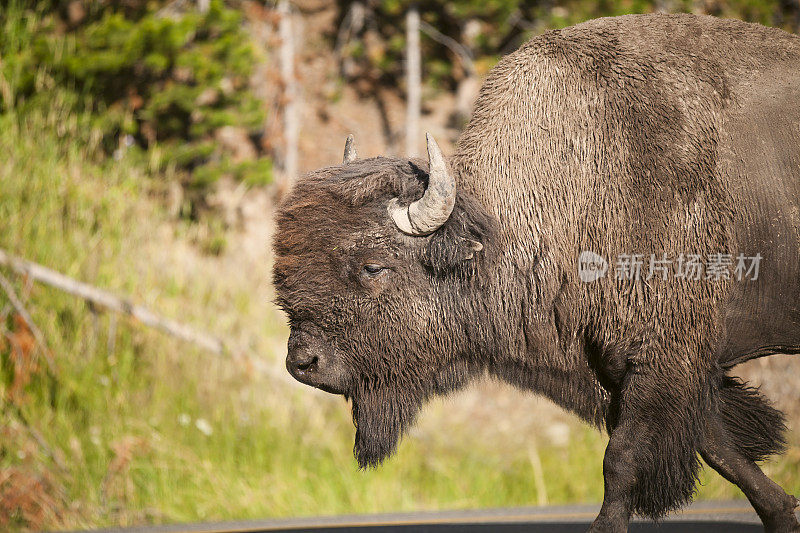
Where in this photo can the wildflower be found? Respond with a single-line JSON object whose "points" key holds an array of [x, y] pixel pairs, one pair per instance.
{"points": [[204, 427]]}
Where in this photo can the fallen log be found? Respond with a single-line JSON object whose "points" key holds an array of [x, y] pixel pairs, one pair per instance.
{"points": [[112, 302]]}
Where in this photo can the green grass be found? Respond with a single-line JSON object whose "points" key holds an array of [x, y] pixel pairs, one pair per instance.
{"points": [[113, 435]]}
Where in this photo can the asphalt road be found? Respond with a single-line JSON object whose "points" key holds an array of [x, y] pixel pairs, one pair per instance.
{"points": [[702, 517]]}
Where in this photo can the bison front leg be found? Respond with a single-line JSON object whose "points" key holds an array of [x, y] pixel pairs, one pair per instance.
{"points": [[773, 505], [650, 465], [619, 480]]}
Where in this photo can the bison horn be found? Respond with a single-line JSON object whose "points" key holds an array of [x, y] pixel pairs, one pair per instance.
{"points": [[350, 153], [427, 214]]}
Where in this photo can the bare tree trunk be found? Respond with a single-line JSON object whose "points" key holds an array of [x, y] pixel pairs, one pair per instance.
{"points": [[291, 127], [351, 27], [469, 85], [663, 6], [203, 5], [413, 81], [467, 91]]}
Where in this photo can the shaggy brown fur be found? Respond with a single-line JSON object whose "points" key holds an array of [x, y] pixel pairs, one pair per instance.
{"points": [[647, 134]]}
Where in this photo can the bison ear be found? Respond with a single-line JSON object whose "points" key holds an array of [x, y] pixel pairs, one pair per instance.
{"points": [[462, 244], [469, 248]]}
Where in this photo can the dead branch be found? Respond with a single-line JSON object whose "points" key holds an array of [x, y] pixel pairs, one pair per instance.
{"points": [[457, 48], [8, 288], [109, 301]]}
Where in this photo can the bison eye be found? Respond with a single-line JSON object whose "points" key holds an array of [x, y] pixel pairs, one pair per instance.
{"points": [[372, 269]]}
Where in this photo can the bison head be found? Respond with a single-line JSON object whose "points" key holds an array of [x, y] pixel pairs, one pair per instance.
{"points": [[379, 265]]}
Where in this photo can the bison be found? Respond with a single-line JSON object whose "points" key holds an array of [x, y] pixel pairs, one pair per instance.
{"points": [[673, 137]]}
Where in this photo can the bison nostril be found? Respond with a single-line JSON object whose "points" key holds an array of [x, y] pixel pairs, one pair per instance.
{"points": [[309, 365]]}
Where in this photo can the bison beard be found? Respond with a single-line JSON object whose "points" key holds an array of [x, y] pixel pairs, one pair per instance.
{"points": [[381, 413], [381, 416]]}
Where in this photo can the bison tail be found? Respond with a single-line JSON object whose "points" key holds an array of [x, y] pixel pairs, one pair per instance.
{"points": [[755, 427]]}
